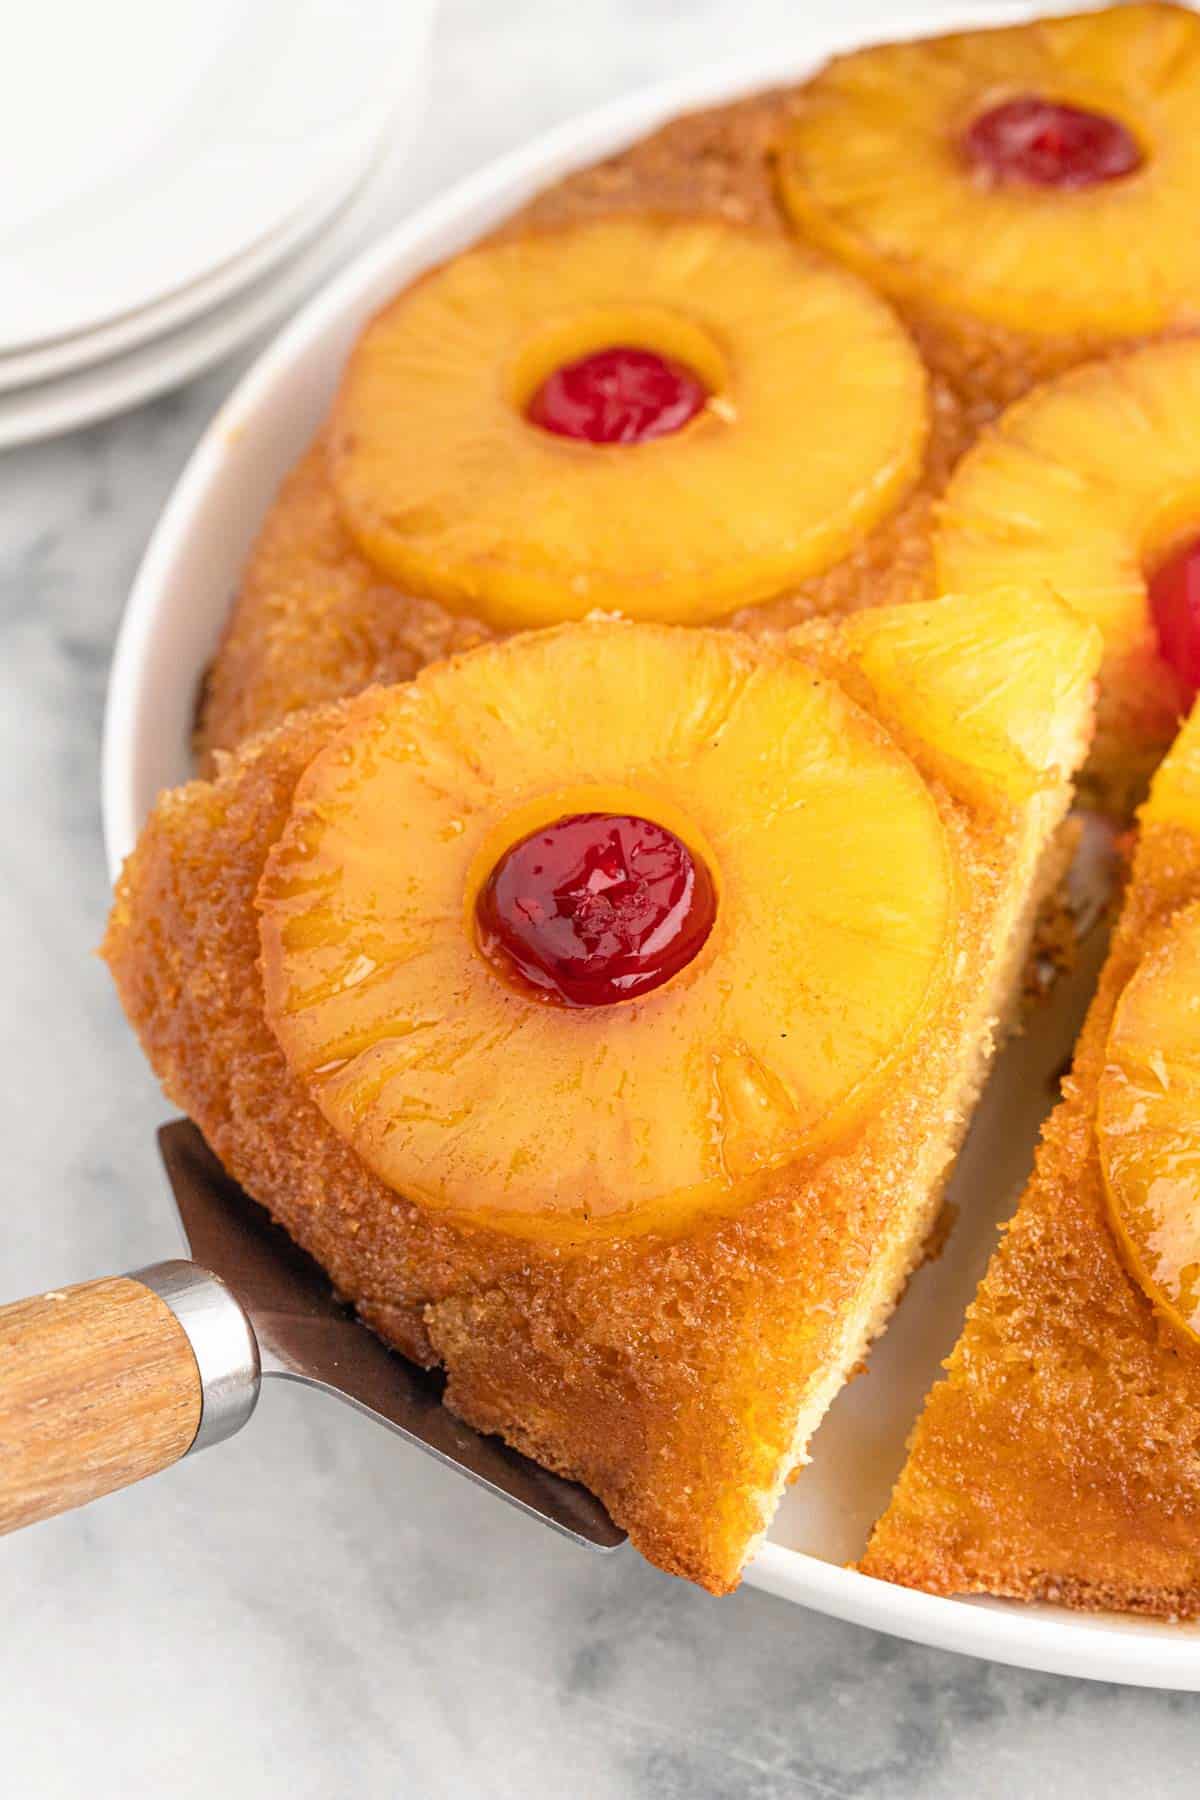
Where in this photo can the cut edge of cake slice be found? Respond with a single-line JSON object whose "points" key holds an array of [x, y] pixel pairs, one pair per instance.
{"points": [[680, 1380], [1058, 1457], [1038, 763]]}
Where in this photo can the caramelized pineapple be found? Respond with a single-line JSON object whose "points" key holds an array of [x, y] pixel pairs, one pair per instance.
{"points": [[1175, 794], [1092, 483], [1148, 1121], [1148, 1104], [669, 419], [985, 682], [1026, 192], [608, 793]]}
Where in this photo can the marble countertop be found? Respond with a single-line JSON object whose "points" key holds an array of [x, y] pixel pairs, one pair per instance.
{"points": [[312, 1611]]}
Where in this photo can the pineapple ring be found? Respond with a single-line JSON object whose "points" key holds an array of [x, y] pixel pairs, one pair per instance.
{"points": [[1083, 484], [1148, 1121], [833, 936], [815, 427], [872, 168]]}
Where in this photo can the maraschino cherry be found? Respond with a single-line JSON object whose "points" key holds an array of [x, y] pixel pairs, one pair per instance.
{"points": [[596, 907], [618, 396], [1049, 144], [1174, 591]]}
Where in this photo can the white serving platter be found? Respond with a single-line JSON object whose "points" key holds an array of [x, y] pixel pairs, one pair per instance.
{"points": [[175, 611]]}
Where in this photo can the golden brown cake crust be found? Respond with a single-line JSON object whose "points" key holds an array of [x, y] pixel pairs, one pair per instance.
{"points": [[314, 621], [667, 1373], [1060, 1457]]}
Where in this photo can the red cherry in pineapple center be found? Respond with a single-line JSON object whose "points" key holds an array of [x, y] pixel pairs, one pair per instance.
{"points": [[597, 907], [1049, 144], [618, 396], [1174, 591]]}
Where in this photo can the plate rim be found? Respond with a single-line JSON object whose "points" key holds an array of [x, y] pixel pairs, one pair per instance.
{"points": [[1041, 1637], [62, 357], [298, 175], [95, 391]]}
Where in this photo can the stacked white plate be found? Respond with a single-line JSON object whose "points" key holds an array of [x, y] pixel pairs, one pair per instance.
{"points": [[184, 174]]}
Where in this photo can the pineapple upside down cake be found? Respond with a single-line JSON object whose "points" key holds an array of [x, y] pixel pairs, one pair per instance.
{"points": [[604, 1007], [672, 419], [650, 393], [1059, 1457]]}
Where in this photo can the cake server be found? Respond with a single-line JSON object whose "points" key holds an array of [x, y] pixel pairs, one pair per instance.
{"points": [[113, 1380]]}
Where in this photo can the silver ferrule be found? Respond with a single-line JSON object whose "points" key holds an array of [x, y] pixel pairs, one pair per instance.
{"points": [[222, 1340]]}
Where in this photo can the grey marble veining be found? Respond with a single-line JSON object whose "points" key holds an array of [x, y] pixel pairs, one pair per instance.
{"points": [[312, 1611]]}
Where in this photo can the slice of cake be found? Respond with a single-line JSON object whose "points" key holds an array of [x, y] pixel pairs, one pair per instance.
{"points": [[604, 1008], [1059, 1458]]}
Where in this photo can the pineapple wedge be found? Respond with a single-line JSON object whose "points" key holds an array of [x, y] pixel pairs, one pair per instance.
{"points": [[1084, 484], [1148, 1106], [1148, 1121], [1175, 795], [973, 676]]}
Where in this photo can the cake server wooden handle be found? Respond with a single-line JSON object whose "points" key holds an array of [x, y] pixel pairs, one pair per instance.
{"points": [[113, 1380]]}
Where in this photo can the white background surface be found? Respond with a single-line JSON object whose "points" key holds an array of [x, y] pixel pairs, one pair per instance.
{"points": [[312, 1611]]}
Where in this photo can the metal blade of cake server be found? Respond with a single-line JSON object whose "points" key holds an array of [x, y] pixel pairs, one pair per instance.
{"points": [[305, 1334]]}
